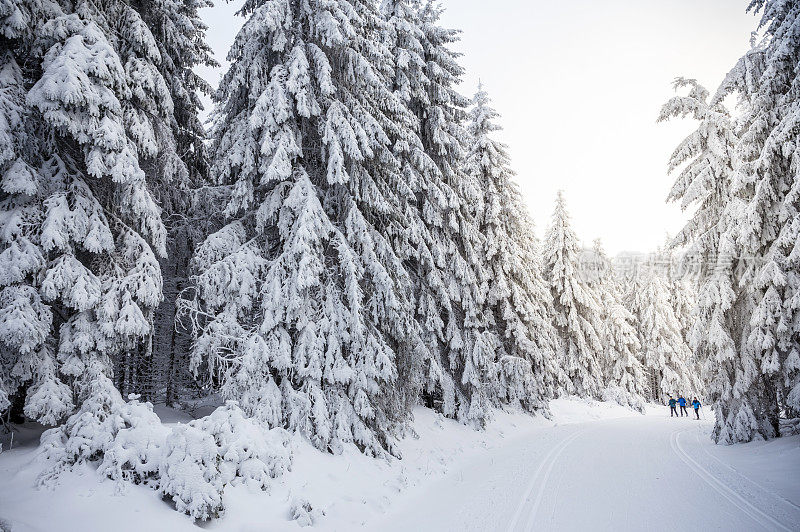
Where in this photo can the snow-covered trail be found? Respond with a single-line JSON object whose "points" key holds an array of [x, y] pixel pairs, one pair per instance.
{"points": [[639, 473], [597, 466]]}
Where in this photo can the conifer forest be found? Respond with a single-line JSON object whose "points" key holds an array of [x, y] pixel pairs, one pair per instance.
{"points": [[205, 310]]}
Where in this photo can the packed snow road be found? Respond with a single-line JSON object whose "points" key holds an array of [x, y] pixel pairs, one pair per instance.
{"points": [[640, 473]]}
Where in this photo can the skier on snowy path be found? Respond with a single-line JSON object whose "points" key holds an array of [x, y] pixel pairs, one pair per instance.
{"points": [[696, 405], [672, 410], [682, 403]]}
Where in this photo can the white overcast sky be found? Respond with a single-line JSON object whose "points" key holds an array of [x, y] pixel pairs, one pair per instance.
{"points": [[579, 84]]}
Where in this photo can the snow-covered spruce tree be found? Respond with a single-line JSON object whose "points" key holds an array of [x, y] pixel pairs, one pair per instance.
{"points": [[179, 34], [763, 375], [79, 225], [27, 363], [683, 296], [665, 352], [403, 34], [459, 371], [706, 161], [678, 266], [623, 372], [182, 169], [428, 248], [555, 378], [76, 209], [472, 344], [520, 303], [301, 303], [577, 311]]}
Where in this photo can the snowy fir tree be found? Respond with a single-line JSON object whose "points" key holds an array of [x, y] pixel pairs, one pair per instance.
{"points": [[706, 179], [88, 130], [767, 229], [679, 268], [577, 308], [519, 300], [182, 170], [81, 279], [742, 178], [456, 368], [706, 162], [665, 353], [623, 373], [302, 304], [683, 298], [404, 75]]}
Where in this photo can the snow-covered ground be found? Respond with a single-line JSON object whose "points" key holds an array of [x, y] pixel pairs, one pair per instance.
{"points": [[645, 473], [595, 466]]}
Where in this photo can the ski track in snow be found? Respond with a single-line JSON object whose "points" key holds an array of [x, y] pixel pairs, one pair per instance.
{"points": [[637, 473], [724, 488], [745, 477], [532, 506]]}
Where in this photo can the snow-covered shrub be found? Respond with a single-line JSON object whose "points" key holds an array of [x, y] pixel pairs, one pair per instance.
{"points": [[126, 436], [303, 513], [135, 453], [623, 398], [191, 463], [90, 431], [223, 448], [190, 473], [790, 427], [247, 450]]}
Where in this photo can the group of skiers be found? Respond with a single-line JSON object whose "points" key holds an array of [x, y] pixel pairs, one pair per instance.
{"points": [[681, 401]]}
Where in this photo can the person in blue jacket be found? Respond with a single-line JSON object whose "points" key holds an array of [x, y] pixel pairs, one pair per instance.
{"points": [[672, 410], [682, 402], [696, 405]]}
